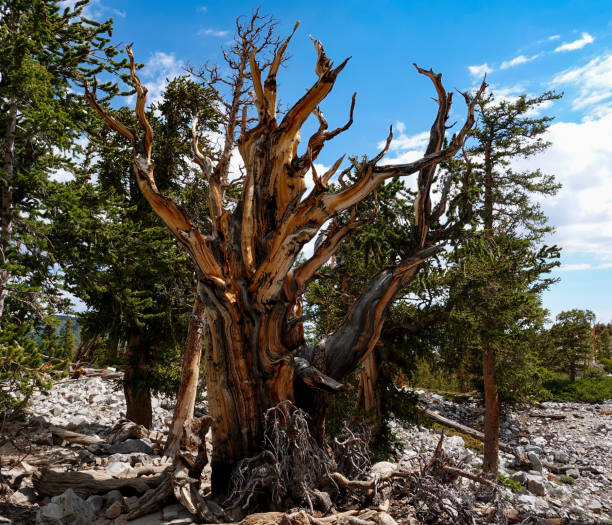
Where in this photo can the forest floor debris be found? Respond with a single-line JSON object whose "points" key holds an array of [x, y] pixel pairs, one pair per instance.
{"points": [[78, 429]]}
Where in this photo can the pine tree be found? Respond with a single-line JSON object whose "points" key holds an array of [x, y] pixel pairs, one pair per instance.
{"points": [[130, 273], [572, 336], [510, 224], [46, 50]]}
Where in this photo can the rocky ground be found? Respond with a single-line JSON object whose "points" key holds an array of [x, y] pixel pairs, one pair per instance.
{"points": [[568, 446]]}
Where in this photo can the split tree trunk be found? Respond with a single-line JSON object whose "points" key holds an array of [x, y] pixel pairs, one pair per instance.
{"points": [[136, 382], [190, 376]]}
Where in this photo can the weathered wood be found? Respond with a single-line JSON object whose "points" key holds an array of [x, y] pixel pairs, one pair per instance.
{"points": [[547, 416], [466, 430], [51, 483], [250, 282], [74, 437], [561, 469], [190, 374]]}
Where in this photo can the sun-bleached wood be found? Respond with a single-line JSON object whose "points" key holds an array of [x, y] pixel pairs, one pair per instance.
{"points": [[250, 285]]}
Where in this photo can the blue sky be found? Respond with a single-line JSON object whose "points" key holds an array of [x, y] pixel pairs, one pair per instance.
{"points": [[524, 47]]}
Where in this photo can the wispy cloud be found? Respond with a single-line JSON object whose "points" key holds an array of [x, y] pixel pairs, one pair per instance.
{"points": [[213, 32], [554, 37], [594, 81], [517, 61], [203, 8], [584, 40], [582, 267], [95, 9], [480, 70], [581, 159]]}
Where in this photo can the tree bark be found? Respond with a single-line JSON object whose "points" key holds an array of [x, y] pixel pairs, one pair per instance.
{"points": [[369, 399], [490, 463], [136, 382], [6, 230], [190, 375]]}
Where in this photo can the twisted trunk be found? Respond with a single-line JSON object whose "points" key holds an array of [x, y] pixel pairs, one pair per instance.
{"points": [[251, 282], [242, 382]]}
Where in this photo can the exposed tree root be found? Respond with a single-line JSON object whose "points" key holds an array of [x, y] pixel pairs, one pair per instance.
{"points": [[289, 468]]}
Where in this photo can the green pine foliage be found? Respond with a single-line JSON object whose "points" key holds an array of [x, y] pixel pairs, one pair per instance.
{"points": [[29, 361], [572, 340], [47, 50], [115, 254]]}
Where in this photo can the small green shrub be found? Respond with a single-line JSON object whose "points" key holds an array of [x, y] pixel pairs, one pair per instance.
{"points": [[568, 480], [509, 483], [558, 387], [607, 364]]}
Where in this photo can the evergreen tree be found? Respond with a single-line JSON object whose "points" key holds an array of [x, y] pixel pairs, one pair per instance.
{"points": [[572, 337], [67, 339], [47, 50], [510, 225], [120, 261]]}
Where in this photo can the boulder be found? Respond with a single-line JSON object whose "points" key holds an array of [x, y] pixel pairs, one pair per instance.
{"points": [[560, 456], [113, 511], [132, 445], [120, 470], [535, 485], [383, 467], [65, 509], [96, 502], [535, 461]]}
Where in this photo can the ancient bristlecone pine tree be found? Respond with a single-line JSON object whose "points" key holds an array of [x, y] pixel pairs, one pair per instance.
{"points": [[249, 280]]}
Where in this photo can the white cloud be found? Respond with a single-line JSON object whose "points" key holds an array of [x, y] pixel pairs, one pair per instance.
{"points": [[404, 142], [159, 69], [516, 61], [581, 158], [584, 40], [95, 9], [481, 70], [213, 32], [594, 81], [574, 267], [203, 8], [582, 267], [554, 37]]}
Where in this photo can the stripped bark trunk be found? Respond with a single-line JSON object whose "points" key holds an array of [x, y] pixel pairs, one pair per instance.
{"points": [[190, 375], [369, 399], [136, 382], [7, 201]]}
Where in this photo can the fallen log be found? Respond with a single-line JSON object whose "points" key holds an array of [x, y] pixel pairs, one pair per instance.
{"points": [[476, 434], [468, 475], [547, 416], [513, 516], [74, 437], [561, 469], [85, 483]]}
